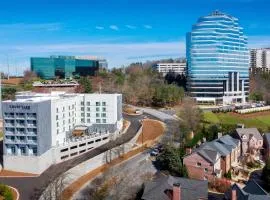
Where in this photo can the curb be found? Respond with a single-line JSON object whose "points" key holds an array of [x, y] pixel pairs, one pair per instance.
{"points": [[17, 192]]}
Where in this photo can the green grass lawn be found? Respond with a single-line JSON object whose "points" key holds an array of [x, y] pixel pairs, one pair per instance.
{"points": [[262, 122]]}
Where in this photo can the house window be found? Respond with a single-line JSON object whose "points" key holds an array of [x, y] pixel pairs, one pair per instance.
{"points": [[199, 164], [205, 169]]}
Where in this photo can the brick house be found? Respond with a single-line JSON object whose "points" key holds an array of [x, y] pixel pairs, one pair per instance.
{"points": [[213, 159], [250, 138]]}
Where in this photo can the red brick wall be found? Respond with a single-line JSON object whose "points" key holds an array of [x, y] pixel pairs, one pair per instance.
{"points": [[198, 172]]}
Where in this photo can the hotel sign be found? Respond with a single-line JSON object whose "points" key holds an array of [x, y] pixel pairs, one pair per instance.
{"points": [[23, 107]]}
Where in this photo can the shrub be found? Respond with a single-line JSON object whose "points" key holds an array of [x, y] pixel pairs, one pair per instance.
{"points": [[5, 192], [228, 175], [220, 185]]}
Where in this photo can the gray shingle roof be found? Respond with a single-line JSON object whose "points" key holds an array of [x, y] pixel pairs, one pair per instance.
{"points": [[249, 132], [267, 138], [190, 189], [252, 191]]}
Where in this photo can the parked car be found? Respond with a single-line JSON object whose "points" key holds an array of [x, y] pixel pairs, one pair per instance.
{"points": [[154, 152]]}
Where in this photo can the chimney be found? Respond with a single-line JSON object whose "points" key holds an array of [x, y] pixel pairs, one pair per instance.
{"points": [[176, 191], [234, 196]]}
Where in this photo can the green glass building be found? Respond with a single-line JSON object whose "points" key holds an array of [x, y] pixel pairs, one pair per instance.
{"points": [[63, 67]]}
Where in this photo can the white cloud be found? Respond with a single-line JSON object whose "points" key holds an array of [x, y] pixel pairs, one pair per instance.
{"points": [[99, 27], [131, 26], [147, 26], [114, 27]]}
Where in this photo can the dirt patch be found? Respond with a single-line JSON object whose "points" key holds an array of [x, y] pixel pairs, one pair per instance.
{"points": [[12, 81], [250, 115], [8, 173], [152, 129]]}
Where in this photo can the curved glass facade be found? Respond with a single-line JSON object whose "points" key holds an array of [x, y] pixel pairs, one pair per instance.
{"points": [[218, 59]]}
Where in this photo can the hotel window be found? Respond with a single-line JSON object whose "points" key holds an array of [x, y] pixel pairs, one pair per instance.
{"points": [[57, 117], [97, 115], [88, 120], [63, 122], [82, 108], [103, 115], [72, 106], [82, 120], [88, 114], [103, 103], [97, 121], [103, 109], [82, 103], [69, 107], [104, 121], [82, 114], [13, 150], [97, 103], [88, 103], [63, 109], [63, 115], [57, 131], [97, 109], [57, 110], [88, 109], [35, 150], [23, 150]]}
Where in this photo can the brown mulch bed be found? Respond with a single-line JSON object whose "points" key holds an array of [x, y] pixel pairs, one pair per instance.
{"points": [[152, 129], [5, 173]]}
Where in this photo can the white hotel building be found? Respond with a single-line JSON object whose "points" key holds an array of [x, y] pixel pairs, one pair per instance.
{"points": [[39, 128]]}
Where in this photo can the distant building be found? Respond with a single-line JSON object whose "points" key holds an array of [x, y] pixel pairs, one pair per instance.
{"points": [[175, 188], [65, 66], [44, 129], [251, 191], [213, 159], [217, 60], [177, 68], [260, 59], [51, 86]]}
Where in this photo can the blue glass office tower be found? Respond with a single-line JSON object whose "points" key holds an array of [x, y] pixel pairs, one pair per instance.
{"points": [[64, 66], [217, 60]]}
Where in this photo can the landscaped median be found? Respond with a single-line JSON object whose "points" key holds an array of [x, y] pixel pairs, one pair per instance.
{"points": [[150, 133]]}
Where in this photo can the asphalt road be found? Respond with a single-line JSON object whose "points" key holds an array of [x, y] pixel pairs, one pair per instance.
{"points": [[30, 188]]}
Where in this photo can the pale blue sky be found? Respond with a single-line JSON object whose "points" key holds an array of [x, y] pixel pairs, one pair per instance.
{"points": [[123, 31]]}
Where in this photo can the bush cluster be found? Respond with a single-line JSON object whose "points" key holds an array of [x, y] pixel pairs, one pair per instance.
{"points": [[5, 192]]}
